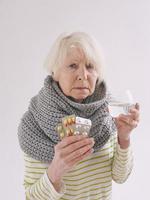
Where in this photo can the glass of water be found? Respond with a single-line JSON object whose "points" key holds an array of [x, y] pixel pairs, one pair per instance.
{"points": [[120, 102]]}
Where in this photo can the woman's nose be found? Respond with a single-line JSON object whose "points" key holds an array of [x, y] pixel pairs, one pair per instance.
{"points": [[82, 74]]}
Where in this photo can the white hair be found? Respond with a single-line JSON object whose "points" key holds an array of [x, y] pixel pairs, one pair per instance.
{"points": [[81, 40]]}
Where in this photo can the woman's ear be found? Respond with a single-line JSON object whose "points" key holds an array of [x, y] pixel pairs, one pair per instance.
{"points": [[55, 76]]}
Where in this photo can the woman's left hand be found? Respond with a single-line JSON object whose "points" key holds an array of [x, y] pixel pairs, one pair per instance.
{"points": [[126, 123]]}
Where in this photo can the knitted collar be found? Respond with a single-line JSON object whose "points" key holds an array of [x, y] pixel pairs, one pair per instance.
{"points": [[37, 129]]}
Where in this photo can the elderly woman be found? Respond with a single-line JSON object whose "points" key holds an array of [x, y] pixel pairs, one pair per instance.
{"points": [[78, 166]]}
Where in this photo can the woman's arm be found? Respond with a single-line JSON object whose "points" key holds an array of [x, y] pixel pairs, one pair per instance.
{"points": [[36, 182], [123, 158], [43, 181], [122, 163]]}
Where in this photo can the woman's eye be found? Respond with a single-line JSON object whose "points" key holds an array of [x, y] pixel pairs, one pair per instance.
{"points": [[73, 66], [89, 66]]}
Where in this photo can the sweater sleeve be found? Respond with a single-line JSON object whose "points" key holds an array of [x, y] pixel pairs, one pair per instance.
{"points": [[36, 182], [122, 163]]}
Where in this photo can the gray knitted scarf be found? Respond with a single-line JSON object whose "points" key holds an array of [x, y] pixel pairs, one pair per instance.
{"points": [[37, 129]]}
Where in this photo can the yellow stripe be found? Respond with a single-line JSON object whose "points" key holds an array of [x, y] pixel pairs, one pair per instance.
{"points": [[34, 172], [89, 165], [27, 158], [88, 176], [93, 158], [96, 184], [36, 194], [91, 170], [43, 186], [122, 161], [41, 193], [91, 195], [30, 177], [35, 167], [52, 195]]}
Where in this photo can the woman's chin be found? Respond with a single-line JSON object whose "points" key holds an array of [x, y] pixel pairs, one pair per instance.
{"points": [[79, 99]]}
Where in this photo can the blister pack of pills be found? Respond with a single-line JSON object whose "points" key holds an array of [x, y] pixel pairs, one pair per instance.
{"points": [[73, 125]]}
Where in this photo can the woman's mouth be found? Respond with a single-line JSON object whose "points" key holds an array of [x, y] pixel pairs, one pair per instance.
{"points": [[81, 88]]}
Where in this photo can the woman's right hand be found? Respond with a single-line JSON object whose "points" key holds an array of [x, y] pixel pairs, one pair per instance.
{"points": [[68, 153]]}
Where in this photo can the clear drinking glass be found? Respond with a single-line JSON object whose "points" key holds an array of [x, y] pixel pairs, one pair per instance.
{"points": [[120, 102]]}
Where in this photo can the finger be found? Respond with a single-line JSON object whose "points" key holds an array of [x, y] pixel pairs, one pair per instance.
{"points": [[119, 122], [134, 124], [78, 145], [130, 122], [134, 114], [79, 152], [135, 111], [78, 159], [135, 106], [69, 140], [123, 118]]}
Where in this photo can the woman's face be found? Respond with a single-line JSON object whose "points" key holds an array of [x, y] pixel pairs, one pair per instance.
{"points": [[76, 79]]}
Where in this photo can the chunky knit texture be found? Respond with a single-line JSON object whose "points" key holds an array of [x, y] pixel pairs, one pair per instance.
{"points": [[37, 129]]}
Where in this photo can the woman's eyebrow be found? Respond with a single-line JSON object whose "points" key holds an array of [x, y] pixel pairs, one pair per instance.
{"points": [[74, 61]]}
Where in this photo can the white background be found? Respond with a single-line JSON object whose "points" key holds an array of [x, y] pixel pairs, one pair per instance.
{"points": [[27, 30]]}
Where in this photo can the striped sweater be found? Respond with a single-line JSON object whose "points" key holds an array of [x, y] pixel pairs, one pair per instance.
{"points": [[90, 179]]}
